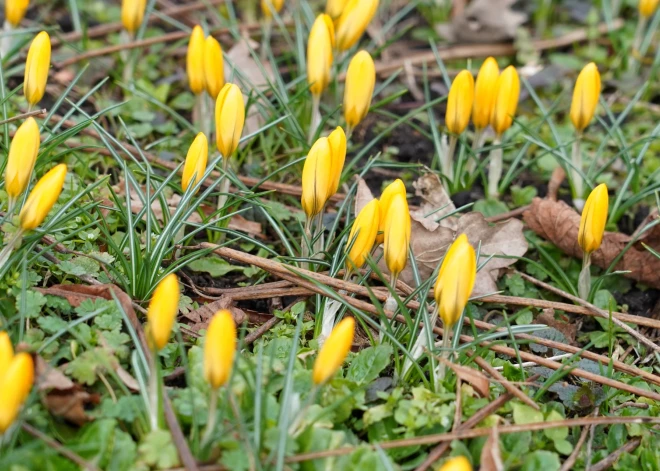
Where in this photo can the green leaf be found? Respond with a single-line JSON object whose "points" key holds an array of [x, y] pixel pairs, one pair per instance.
{"points": [[524, 414], [51, 324], [158, 450], [34, 301], [490, 207], [559, 433], [541, 460], [368, 364], [564, 447], [522, 196]]}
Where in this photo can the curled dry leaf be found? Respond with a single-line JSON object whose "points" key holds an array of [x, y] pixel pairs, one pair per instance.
{"points": [[203, 314], [484, 21], [491, 459], [433, 231], [475, 378], [559, 223]]}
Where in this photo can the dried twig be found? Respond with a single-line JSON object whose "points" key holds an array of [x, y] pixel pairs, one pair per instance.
{"points": [[40, 112], [608, 461], [570, 461], [58, 447]]}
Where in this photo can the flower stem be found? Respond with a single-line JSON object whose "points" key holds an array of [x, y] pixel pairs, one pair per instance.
{"points": [[213, 412], [421, 342], [154, 389], [446, 352], [224, 185], [316, 117], [265, 43], [495, 169], [9, 248], [477, 143], [305, 242], [129, 60], [6, 40], [448, 159], [584, 282], [576, 173]]}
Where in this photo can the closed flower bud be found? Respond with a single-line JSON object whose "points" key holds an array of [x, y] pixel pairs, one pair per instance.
{"points": [[395, 188], [506, 100], [354, 19], [319, 54], [594, 218], [397, 235], [214, 67], [459, 102], [15, 11], [219, 349], [334, 8], [317, 177], [585, 97], [363, 235], [359, 88], [646, 7], [163, 308], [132, 14], [270, 6], [334, 351], [42, 198], [6, 353], [337, 141], [22, 157], [37, 66], [195, 60], [195, 166], [455, 280], [229, 119], [485, 92], [15, 386], [459, 463]]}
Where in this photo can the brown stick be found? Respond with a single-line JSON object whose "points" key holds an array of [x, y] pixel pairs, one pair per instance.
{"points": [[58, 447], [594, 309], [479, 432], [568, 464], [484, 365], [607, 462], [25, 115], [287, 273]]}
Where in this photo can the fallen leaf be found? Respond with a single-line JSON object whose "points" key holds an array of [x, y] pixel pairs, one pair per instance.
{"points": [[484, 21], [559, 223], [491, 459], [433, 231], [60, 395], [568, 329], [126, 378], [475, 378], [203, 314]]}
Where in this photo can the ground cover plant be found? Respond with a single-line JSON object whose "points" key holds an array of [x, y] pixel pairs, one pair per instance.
{"points": [[310, 235]]}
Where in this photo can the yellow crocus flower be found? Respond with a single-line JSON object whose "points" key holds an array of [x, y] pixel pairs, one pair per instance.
{"points": [[359, 88], [456, 279], [15, 11], [354, 19], [37, 67], [162, 311], [15, 386], [229, 119], [334, 351], [397, 235], [317, 178], [363, 235], [459, 102], [132, 14], [485, 93], [219, 349], [319, 54], [585, 97], [21, 159], [593, 220], [195, 60], [337, 141], [196, 159], [214, 67], [42, 198]]}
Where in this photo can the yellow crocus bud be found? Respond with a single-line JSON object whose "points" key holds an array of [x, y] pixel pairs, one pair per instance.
{"points": [[229, 119], [132, 14], [334, 351], [195, 60], [455, 280], [459, 102], [337, 141], [15, 11], [219, 349], [214, 67], [459, 463], [360, 83], [585, 97], [317, 178], [506, 100], [594, 218], [319, 54], [395, 188], [42, 198], [270, 6], [397, 235], [195, 166], [334, 8], [485, 92], [22, 157], [646, 7], [363, 235], [352, 23], [37, 66], [6, 353], [15, 387], [163, 308]]}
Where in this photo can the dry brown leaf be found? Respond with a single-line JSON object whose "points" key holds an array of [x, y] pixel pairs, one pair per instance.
{"points": [[484, 21], [567, 329], [60, 395], [203, 314], [475, 378], [559, 223], [126, 378], [430, 238], [491, 459]]}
